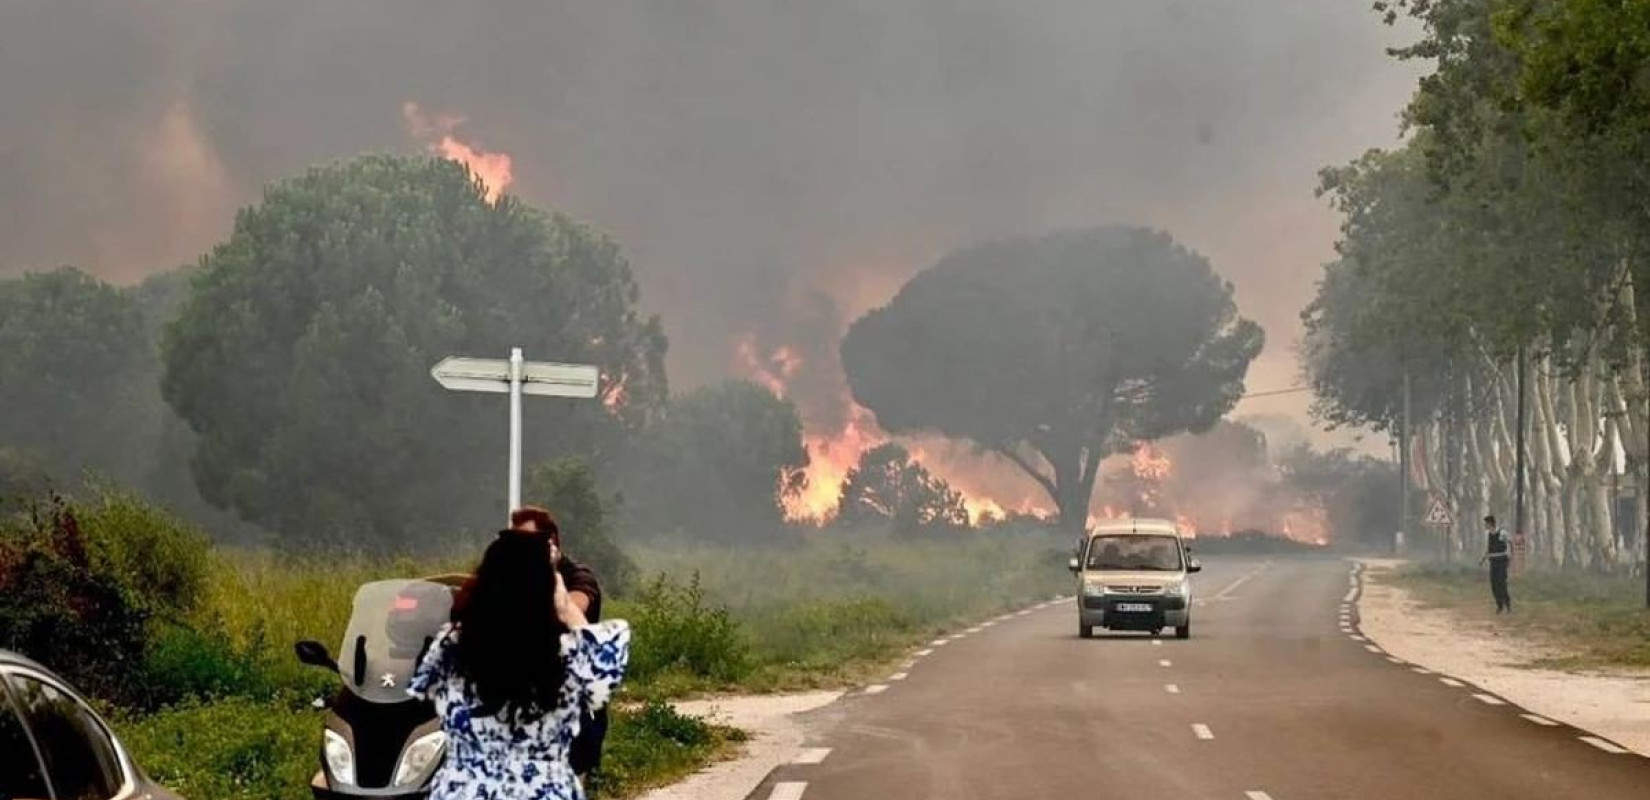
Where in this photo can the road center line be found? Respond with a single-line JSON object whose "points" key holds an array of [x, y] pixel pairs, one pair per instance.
{"points": [[811, 755], [1157, 643], [1202, 731], [1171, 688], [1257, 795], [1608, 747], [1231, 587], [1165, 663], [1540, 720], [788, 790]]}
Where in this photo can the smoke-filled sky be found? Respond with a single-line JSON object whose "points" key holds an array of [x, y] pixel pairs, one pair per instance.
{"points": [[771, 166]]}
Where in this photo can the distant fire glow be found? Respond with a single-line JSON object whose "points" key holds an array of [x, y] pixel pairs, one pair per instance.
{"points": [[494, 170]]}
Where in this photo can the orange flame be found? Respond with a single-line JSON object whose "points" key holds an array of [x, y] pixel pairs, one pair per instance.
{"points": [[494, 170]]}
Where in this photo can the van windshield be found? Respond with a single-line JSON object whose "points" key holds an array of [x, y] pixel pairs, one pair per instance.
{"points": [[1134, 552]]}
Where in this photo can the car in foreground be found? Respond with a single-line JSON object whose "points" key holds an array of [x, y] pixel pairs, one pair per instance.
{"points": [[1134, 574], [53, 746]]}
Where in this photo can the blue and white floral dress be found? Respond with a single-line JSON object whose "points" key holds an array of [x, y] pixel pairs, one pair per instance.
{"points": [[490, 759]]}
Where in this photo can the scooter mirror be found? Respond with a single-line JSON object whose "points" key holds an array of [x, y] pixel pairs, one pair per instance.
{"points": [[315, 654]]}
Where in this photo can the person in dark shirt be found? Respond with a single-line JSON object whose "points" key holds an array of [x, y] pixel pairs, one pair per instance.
{"points": [[1498, 552], [584, 590]]}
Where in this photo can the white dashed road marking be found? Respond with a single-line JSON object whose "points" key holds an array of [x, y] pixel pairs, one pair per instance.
{"points": [[788, 790], [1231, 587], [1395, 659], [811, 755], [1489, 699], [876, 688], [1257, 795], [1357, 638], [1372, 648], [1421, 670], [1202, 731], [1165, 663], [1171, 688], [937, 643], [899, 676], [1451, 682], [1157, 643], [1539, 720], [921, 653], [1608, 747]]}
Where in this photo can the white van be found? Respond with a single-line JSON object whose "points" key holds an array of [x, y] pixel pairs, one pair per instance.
{"points": [[1134, 574]]}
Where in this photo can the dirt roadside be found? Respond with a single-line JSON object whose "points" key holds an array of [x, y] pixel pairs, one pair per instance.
{"points": [[1612, 703]]}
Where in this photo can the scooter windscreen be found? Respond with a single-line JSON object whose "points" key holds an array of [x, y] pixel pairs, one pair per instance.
{"points": [[391, 627]]}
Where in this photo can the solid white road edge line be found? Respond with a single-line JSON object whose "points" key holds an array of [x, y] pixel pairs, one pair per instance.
{"points": [[1489, 699], [876, 688], [1202, 731], [1372, 648], [1540, 720], [1608, 747], [811, 755], [1451, 682], [921, 653], [899, 676], [788, 790]]}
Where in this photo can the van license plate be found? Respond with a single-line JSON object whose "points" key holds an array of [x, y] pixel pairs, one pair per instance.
{"points": [[1134, 607]]}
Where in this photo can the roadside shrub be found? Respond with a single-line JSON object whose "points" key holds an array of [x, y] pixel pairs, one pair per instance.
{"points": [[59, 604], [678, 632], [233, 749], [161, 559], [184, 662]]}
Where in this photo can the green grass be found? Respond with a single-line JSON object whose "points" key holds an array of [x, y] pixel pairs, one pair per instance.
{"points": [[1592, 620]]}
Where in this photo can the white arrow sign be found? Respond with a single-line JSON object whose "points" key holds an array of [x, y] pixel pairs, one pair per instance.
{"points": [[537, 377], [517, 377]]}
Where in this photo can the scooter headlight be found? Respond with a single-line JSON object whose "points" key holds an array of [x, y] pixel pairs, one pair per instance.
{"points": [[340, 760], [420, 760]]}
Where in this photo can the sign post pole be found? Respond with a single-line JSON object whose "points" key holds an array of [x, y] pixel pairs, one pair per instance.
{"points": [[516, 377], [515, 427]]}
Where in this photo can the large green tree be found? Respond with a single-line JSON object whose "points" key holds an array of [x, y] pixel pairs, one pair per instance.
{"points": [[301, 357], [1056, 351], [717, 465], [75, 385]]}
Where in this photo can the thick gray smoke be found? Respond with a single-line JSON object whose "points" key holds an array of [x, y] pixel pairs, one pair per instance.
{"points": [[753, 156]]}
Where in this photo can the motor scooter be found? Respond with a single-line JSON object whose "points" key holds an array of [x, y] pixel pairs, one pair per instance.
{"points": [[377, 741]]}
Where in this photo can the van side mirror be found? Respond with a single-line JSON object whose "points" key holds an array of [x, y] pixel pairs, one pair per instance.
{"points": [[315, 654], [1194, 566], [1073, 565]]}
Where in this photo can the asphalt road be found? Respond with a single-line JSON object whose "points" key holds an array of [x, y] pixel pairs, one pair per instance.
{"points": [[1273, 698]]}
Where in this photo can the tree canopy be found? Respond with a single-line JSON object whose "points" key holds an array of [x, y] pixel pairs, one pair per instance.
{"points": [[301, 356], [1056, 351], [887, 487], [716, 465]]}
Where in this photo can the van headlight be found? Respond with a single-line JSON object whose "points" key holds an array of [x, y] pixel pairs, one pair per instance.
{"points": [[1094, 590], [420, 760], [1176, 589], [340, 759]]}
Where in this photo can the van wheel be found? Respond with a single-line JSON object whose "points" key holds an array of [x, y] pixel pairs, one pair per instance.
{"points": [[1085, 631], [1183, 631]]}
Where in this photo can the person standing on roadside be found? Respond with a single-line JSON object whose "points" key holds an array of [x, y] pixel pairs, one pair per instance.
{"points": [[1498, 552]]}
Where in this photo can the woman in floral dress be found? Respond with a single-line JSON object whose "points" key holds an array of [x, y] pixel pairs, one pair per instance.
{"points": [[511, 677]]}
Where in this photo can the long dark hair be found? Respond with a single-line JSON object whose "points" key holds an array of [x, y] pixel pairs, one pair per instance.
{"points": [[509, 642]]}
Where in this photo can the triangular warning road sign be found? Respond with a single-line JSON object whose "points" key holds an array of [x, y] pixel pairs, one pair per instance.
{"points": [[1439, 514]]}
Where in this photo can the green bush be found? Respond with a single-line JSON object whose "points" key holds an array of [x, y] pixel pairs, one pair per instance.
{"points": [[60, 604], [652, 746], [677, 632], [161, 559], [233, 749], [184, 662]]}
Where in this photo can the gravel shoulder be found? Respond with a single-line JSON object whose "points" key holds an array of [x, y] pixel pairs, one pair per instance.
{"points": [[1613, 703], [776, 736]]}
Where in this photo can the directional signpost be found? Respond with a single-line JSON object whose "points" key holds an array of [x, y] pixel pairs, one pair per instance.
{"points": [[516, 377]]}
